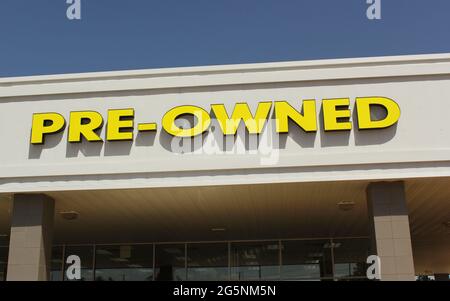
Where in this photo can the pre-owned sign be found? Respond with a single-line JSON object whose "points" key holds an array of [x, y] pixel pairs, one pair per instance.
{"points": [[120, 123]]}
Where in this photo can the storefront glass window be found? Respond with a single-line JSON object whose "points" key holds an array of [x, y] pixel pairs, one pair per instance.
{"points": [[306, 260], [350, 257], [86, 255], [56, 273], [4, 240], [170, 262], [3, 262], [207, 261], [124, 263], [262, 260], [255, 261]]}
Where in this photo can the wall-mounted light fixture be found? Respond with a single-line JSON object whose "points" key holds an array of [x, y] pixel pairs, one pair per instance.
{"points": [[69, 215], [346, 205]]}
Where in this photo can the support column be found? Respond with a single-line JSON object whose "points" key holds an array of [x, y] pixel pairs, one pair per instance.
{"points": [[391, 238], [31, 238]]}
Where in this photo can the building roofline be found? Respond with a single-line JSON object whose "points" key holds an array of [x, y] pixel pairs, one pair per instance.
{"points": [[218, 75]]}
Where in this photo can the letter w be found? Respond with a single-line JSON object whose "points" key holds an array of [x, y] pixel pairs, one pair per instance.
{"points": [[254, 124]]}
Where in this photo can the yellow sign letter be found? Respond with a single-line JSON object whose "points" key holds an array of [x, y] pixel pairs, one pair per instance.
{"points": [[202, 118], [241, 111], [85, 124], [120, 120], [285, 112], [365, 121], [45, 123], [331, 114]]}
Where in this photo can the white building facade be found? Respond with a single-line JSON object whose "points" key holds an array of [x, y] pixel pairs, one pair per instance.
{"points": [[307, 186]]}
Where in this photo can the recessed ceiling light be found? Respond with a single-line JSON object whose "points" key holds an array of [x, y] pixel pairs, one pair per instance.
{"points": [[69, 215], [346, 205], [134, 266], [218, 229]]}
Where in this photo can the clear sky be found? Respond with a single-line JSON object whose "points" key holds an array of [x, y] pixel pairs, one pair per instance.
{"points": [[37, 38]]}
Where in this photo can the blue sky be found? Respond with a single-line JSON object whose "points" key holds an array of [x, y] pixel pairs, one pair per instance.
{"points": [[37, 38]]}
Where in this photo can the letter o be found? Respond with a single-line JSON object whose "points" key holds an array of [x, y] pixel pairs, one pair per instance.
{"points": [[203, 121]]}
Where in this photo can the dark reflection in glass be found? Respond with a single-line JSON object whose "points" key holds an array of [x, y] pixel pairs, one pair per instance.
{"points": [[124, 263], [170, 262], [308, 260], [255, 261], [300, 260], [4, 240], [86, 254], [3, 263], [56, 264], [207, 261], [350, 257]]}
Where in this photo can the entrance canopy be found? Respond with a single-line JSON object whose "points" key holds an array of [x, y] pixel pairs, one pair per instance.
{"points": [[246, 212]]}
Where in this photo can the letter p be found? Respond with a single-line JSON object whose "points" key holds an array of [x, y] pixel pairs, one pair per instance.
{"points": [[45, 123]]}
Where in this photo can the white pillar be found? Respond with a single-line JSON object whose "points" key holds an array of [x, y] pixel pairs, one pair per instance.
{"points": [[31, 238], [391, 238]]}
